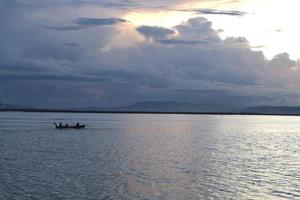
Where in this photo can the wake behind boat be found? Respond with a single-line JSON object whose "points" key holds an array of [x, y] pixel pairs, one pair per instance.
{"points": [[66, 126]]}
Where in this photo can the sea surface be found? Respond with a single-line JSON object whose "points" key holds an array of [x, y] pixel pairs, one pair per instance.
{"points": [[138, 156]]}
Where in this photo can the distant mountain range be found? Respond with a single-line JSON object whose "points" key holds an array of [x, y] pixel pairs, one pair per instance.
{"points": [[281, 110], [172, 106], [4, 106], [169, 107]]}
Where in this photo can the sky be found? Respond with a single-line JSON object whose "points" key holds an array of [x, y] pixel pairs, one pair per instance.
{"points": [[104, 53]]}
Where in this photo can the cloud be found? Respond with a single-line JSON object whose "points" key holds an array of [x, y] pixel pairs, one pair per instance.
{"points": [[123, 64], [193, 32], [180, 41], [155, 32], [218, 12], [84, 23], [107, 4], [98, 21], [199, 29]]}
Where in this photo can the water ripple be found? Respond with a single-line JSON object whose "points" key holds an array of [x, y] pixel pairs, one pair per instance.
{"points": [[149, 157]]}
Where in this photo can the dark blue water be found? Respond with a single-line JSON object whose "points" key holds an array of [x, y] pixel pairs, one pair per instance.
{"points": [[149, 157]]}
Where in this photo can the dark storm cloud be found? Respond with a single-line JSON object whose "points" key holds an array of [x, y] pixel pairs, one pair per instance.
{"points": [[71, 44], [42, 76], [115, 65], [84, 23], [7, 2]]}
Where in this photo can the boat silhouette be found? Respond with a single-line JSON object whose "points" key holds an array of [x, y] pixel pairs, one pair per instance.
{"points": [[66, 126]]}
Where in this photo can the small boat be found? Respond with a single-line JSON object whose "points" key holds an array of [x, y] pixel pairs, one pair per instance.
{"points": [[77, 126]]}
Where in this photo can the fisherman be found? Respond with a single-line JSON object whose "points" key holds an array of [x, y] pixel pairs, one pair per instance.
{"points": [[77, 125], [60, 125]]}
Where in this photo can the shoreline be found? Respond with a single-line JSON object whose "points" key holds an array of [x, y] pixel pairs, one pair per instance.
{"points": [[144, 112]]}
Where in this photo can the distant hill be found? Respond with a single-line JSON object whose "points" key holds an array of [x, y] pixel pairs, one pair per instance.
{"points": [[4, 106], [172, 106], [167, 107], [273, 110]]}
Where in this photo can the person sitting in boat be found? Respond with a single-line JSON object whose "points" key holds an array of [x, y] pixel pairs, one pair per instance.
{"points": [[77, 125], [60, 125]]}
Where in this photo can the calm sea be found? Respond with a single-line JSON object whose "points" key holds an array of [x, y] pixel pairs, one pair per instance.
{"points": [[121, 156]]}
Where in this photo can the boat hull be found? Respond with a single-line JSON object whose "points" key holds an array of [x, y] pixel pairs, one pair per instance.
{"points": [[72, 127]]}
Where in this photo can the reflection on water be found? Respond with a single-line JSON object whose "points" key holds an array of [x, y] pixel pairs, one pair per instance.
{"points": [[149, 157]]}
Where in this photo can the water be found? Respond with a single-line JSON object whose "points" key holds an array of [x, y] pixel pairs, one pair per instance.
{"points": [[149, 157]]}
